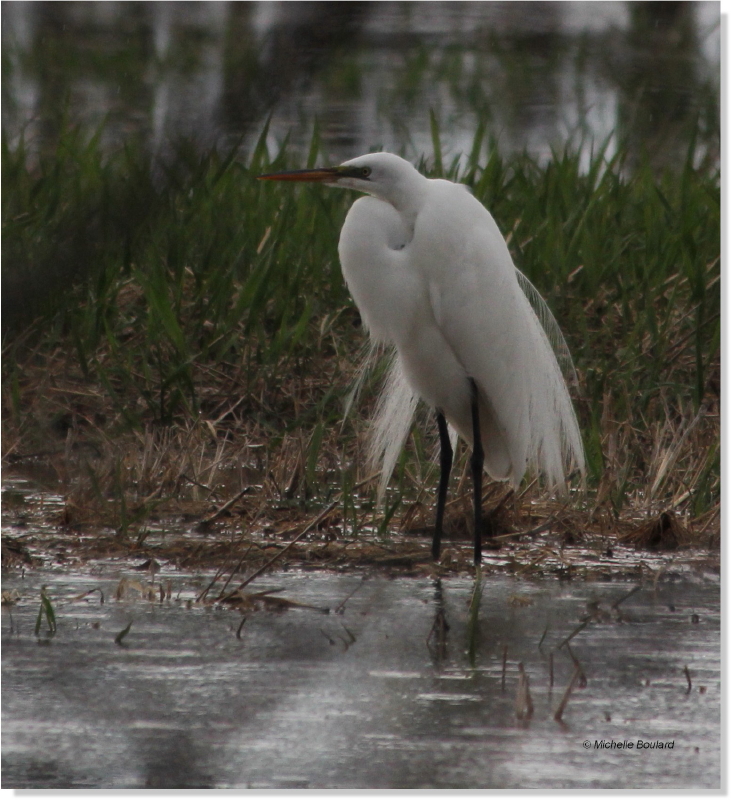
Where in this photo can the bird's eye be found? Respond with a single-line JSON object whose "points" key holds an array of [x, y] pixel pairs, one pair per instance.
{"points": [[365, 172]]}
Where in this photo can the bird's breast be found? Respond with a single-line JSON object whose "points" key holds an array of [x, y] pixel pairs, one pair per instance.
{"points": [[374, 253]]}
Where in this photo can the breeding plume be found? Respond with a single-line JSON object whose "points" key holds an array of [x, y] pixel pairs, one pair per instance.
{"points": [[432, 277]]}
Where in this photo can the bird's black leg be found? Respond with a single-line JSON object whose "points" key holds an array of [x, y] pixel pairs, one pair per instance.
{"points": [[445, 462], [477, 462]]}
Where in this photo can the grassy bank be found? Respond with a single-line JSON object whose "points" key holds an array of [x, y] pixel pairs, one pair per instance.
{"points": [[181, 335]]}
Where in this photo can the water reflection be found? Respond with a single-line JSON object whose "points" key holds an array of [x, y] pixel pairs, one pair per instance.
{"points": [[536, 74], [188, 704]]}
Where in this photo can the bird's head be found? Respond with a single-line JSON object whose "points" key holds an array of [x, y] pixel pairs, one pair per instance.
{"points": [[384, 175]]}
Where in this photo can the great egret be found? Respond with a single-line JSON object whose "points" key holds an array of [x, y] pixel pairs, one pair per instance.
{"points": [[432, 275]]}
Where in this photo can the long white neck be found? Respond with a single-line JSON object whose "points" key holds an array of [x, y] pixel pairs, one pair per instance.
{"points": [[393, 180], [407, 193]]}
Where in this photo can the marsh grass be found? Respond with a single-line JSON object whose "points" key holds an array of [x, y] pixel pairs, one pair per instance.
{"points": [[180, 333]]}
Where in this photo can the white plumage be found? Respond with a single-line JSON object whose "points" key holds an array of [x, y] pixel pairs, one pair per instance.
{"points": [[432, 276]]}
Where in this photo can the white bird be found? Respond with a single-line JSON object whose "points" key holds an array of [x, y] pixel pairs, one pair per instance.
{"points": [[432, 276]]}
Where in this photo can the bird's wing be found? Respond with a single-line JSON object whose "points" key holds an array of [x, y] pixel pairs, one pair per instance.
{"points": [[486, 318], [474, 300]]}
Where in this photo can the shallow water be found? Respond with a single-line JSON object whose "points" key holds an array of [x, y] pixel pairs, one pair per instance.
{"points": [[359, 699]]}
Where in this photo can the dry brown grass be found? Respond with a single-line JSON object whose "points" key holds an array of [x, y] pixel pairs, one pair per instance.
{"points": [[232, 486]]}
